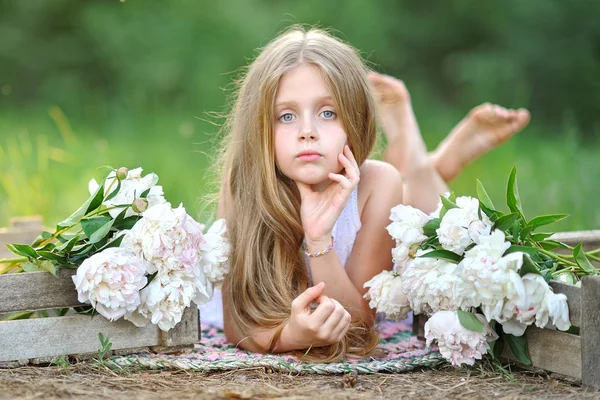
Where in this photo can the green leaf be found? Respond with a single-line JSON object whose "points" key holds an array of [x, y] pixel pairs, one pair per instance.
{"points": [[523, 249], [29, 267], [101, 232], [84, 209], [46, 265], [469, 321], [583, 262], [429, 229], [566, 277], [513, 201], [113, 243], [537, 237], [546, 219], [127, 223], [68, 245], [506, 221], [41, 237], [447, 203], [493, 215], [497, 346], [23, 250], [114, 192], [483, 196], [48, 255], [529, 267], [518, 346], [145, 193], [92, 224], [59, 312], [443, 255]]}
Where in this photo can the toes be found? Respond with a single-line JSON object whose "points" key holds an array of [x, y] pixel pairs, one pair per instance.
{"points": [[522, 118]]}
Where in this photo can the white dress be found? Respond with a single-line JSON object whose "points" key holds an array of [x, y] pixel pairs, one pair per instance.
{"points": [[344, 232]]}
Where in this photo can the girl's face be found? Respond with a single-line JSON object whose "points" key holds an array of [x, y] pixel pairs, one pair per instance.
{"points": [[308, 132]]}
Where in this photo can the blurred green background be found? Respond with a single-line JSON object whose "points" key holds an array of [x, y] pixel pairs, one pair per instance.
{"points": [[135, 83]]}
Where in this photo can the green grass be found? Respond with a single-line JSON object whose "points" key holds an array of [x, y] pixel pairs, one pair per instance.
{"points": [[45, 165]]}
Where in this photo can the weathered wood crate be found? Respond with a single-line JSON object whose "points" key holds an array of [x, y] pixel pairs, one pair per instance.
{"points": [[39, 340], [575, 356]]}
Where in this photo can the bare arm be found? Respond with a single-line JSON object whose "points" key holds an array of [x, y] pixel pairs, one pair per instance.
{"points": [[381, 189]]}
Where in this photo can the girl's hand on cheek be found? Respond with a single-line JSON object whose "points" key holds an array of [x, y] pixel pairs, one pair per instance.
{"points": [[320, 210], [326, 325]]}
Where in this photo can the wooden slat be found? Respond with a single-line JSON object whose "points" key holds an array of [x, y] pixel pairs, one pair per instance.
{"points": [[589, 239], [185, 332], [45, 337], [552, 350], [573, 294], [590, 331], [31, 291], [20, 230]]}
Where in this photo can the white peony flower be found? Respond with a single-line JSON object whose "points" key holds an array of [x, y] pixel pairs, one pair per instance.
{"points": [[457, 344], [461, 226], [214, 252], [432, 285], [164, 300], [407, 229], [558, 310], [385, 295], [168, 239], [131, 188], [539, 305], [492, 278], [111, 281]]}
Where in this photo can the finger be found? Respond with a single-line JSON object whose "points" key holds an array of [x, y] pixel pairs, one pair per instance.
{"points": [[302, 302], [350, 165], [342, 328], [342, 180], [323, 311], [334, 319]]}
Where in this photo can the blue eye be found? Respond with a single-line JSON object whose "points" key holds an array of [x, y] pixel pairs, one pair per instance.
{"points": [[328, 114], [287, 117]]}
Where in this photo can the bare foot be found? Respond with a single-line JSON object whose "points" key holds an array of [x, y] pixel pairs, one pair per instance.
{"points": [[406, 149], [487, 126]]}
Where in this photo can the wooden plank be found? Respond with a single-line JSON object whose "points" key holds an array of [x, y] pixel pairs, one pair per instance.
{"points": [[21, 230], [552, 350], [46, 337], [573, 294], [590, 331], [589, 239], [23, 292], [185, 332], [30, 223]]}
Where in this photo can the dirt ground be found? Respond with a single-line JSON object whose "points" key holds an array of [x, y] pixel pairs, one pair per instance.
{"points": [[89, 380]]}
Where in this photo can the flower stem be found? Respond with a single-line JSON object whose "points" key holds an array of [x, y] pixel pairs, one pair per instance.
{"points": [[12, 260], [557, 257]]}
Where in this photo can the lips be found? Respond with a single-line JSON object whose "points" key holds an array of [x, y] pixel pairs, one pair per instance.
{"points": [[308, 155]]}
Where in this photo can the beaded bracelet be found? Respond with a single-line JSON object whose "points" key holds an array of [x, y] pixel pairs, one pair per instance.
{"points": [[319, 253]]}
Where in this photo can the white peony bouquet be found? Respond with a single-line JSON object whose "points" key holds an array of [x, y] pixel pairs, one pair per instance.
{"points": [[136, 256], [479, 273]]}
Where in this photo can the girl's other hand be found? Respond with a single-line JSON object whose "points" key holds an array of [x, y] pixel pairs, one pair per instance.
{"points": [[320, 210], [326, 325]]}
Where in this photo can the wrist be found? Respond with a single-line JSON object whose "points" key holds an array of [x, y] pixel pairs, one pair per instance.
{"points": [[313, 248]]}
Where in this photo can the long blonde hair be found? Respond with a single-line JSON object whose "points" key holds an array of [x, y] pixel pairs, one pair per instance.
{"points": [[263, 216]]}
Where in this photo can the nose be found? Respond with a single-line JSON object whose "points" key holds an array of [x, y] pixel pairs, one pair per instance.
{"points": [[308, 131]]}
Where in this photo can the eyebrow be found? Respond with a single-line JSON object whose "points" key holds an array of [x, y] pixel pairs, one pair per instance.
{"points": [[293, 103]]}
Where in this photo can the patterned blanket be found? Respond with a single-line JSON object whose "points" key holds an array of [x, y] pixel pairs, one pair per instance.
{"points": [[401, 351]]}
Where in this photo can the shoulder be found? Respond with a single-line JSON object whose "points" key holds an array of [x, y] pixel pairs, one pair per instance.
{"points": [[379, 183]]}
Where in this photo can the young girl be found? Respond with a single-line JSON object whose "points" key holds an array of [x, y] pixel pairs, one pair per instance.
{"points": [[304, 206]]}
